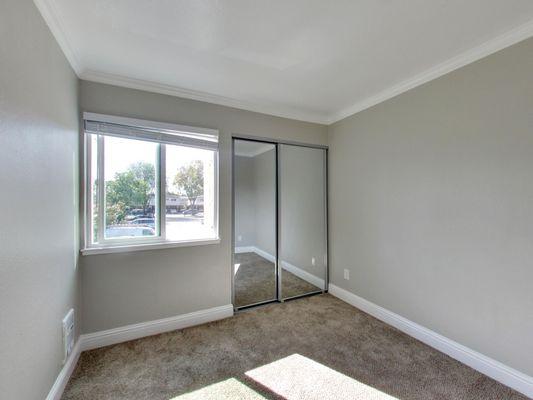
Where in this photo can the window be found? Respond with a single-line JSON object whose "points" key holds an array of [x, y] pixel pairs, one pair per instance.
{"points": [[149, 183]]}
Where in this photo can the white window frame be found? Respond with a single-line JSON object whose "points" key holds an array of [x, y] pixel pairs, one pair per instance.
{"points": [[139, 243]]}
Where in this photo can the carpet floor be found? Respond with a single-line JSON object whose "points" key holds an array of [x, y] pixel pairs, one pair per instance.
{"points": [[312, 348], [255, 281]]}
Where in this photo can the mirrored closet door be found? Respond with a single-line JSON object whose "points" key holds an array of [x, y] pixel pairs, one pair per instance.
{"points": [[302, 220], [280, 221], [254, 195]]}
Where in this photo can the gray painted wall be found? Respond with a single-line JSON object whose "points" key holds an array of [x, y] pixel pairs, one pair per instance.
{"points": [[121, 289], [39, 202], [431, 205]]}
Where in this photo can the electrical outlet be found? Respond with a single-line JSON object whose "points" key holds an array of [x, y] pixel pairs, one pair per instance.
{"points": [[347, 274], [68, 334], [313, 261]]}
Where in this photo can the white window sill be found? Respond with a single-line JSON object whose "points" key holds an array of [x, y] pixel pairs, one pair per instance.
{"points": [[147, 246]]}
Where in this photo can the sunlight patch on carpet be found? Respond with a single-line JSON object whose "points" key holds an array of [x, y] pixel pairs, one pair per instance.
{"points": [[297, 377], [225, 390]]}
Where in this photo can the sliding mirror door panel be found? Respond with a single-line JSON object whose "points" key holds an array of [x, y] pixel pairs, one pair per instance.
{"points": [[302, 220], [255, 279]]}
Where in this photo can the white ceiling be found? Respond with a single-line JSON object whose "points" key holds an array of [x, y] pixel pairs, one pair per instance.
{"points": [[313, 60]]}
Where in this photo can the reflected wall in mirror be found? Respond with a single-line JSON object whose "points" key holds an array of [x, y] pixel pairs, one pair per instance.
{"points": [[303, 244], [254, 222]]}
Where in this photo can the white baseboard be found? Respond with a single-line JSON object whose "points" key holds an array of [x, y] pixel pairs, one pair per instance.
{"points": [[130, 332], [264, 254], [303, 274], [496, 370], [299, 272], [64, 375], [244, 249], [123, 334]]}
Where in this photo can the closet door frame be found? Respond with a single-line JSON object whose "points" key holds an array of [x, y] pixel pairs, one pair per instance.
{"points": [[278, 275]]}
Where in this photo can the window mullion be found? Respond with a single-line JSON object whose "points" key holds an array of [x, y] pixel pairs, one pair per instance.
{"points": [[88, 223], [101, 189], [162, 190]]}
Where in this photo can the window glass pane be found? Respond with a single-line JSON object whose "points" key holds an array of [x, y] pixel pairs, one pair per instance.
{"points": [[190, 193], [130, 188]]}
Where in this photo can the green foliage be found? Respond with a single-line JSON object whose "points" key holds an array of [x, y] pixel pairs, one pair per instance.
{"points": [[190, 180], [115, 213], [128, 190]]}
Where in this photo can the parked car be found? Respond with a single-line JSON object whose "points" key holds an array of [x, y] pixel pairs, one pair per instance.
{"points": [[130, 217], [190, 212], [128, 231], [144, 221]]}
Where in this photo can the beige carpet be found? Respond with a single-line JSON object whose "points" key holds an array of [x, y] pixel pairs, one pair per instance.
{"points": [[255, 281], [312, 348]]}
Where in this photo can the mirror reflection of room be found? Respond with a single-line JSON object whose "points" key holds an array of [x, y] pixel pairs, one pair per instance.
{"points": [[299, 181], [302, 221], [255, 222]]}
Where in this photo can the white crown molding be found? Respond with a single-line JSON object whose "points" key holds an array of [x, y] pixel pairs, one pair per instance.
{"points": [[512, 36], [49, 13], [496, 370], [487, 48], [140, 84], [260, 149]]}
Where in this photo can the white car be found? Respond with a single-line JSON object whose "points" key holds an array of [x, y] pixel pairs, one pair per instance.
{"points": [[144, 221], [128, 231]]}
